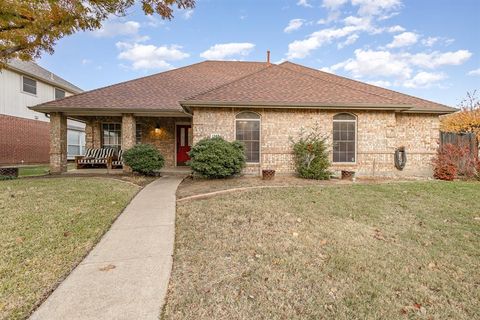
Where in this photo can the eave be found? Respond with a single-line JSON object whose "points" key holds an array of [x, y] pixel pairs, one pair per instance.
{"points": [[188, 104]]}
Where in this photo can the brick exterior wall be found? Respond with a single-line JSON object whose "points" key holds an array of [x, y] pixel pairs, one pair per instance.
{"points": [[378, 134], [23, 141]]}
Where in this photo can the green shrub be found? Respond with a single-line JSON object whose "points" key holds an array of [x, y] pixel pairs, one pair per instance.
{"points": [[217, 158], [144, 159], [311, 155]]}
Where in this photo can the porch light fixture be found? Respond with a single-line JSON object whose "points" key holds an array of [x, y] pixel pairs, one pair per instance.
{"points": [[157, 128]]}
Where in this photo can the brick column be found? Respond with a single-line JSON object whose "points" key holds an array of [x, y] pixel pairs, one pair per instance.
{"points": [[128, 134], [58, 143], [93, 134]]}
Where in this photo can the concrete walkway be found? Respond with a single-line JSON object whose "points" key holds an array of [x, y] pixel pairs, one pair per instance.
{"points": [[126, 275]]}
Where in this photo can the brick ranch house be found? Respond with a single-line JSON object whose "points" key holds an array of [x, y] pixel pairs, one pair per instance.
{"points": [[261, 104]]}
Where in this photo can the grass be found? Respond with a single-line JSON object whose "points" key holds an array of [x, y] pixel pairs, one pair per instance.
{"points": [[374, 251], [40, 170], [47, 225]]}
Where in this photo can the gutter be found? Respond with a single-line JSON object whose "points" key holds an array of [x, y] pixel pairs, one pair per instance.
{"points": [[188, 104], [100, 111]]}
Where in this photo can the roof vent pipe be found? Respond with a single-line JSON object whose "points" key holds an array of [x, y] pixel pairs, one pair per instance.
{"points": [[268, 56]]}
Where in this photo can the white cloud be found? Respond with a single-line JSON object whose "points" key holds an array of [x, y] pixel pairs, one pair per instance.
{"points": [[224, 50], [350, 40], [404, 39], [187, 14], [113, 29], [149, 56], [424, 79], [304, 3], [293, 25], [475, 72], [395, 29], [333, 4], [86, 61], [401, 67], [375, 63], [430, 41], [437, 59], [377, 7], [299, 49]]}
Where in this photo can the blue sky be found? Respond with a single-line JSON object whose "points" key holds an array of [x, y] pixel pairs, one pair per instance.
{"points": [[427, 48]]}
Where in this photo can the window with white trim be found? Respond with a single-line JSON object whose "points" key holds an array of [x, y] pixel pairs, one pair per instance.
{"points": [[344, 138], [59, 94], [112, 135], [29, 85], [247, 126], [76, 143]]}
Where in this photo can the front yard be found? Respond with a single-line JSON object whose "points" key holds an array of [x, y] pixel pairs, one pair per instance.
{"points": [[375, 251], [47, 225]]}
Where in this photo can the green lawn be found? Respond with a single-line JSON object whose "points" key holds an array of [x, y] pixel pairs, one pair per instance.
{"points": [[47, 225], [374, 251], [40, 170]]}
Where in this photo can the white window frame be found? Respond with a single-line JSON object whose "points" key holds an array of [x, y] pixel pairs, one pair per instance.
{"points": [[356, 137], [55, 93], [259, 133], [81, 145], [36, 86]]}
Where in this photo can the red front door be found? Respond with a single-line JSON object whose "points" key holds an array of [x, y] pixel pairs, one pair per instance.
{"points": [[184, 140]]}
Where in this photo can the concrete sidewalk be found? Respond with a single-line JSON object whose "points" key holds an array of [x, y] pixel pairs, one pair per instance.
{"points": [[126, 275]]}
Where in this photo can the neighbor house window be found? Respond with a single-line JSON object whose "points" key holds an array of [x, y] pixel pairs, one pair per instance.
{"points": [[29, 85], [59, 94], [344, 138], [247, 126], [76, 143], [112, 135]]}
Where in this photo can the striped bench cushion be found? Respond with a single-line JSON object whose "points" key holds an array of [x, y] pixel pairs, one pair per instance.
{"points": [[96, 156], [119, 160]]}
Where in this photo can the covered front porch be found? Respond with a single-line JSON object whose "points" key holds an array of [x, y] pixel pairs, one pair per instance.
{"points": [[170, 134]]}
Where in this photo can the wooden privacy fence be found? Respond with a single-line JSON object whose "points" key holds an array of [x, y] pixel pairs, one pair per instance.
{"points": [[460, 139]]}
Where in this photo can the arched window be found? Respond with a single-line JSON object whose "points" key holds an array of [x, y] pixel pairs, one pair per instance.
{"points": [[247, 127], [344, 138]]}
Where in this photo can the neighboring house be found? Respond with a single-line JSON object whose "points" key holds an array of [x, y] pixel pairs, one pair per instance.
{"points": [[261, 104], [24, 134]]}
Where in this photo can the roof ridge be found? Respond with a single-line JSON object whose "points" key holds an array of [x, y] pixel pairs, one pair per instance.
{"points": [[364, 83], [230, 82], [123, 82], [339, 84]]}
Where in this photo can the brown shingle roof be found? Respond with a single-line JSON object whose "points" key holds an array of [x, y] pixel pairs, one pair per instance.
{"points": [[278, 85], [241, 83], [158, 92]]}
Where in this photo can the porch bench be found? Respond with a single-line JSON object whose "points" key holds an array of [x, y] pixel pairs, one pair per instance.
{"points": [[118, 160], [95, 157]]}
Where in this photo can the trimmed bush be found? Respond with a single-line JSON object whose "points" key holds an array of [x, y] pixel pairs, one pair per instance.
{"points": [[216, 158], [311, 155], [144, 159]]}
